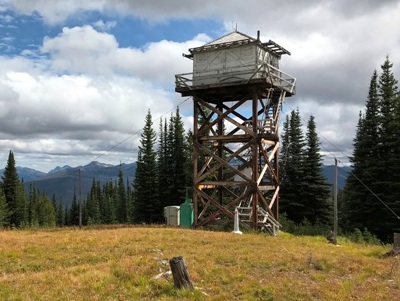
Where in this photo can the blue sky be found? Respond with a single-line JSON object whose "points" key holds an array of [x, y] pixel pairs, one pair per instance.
{"points": [[77, 77]]}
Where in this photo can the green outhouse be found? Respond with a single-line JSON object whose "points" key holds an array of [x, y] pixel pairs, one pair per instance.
{"points": [[186, 214]]}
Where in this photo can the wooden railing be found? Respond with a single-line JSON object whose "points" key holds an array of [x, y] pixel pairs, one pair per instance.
{"points": [[273, 75]]}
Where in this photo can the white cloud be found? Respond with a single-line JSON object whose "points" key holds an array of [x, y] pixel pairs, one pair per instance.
{"points": [[335, 47], [85, 50], [86, 97], [104, 26]]}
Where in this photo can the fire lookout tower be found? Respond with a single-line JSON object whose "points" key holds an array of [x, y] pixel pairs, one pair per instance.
{"points": [[238, 91]]}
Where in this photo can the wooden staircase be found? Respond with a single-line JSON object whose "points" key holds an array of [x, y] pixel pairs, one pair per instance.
{"points": [[265, 221]]}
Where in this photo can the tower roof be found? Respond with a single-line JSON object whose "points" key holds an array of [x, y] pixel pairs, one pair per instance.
{"points": [[238, 38], [232, 37]]}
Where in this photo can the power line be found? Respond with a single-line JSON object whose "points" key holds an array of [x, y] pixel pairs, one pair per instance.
{"points": [[390, 209], [138, 131]]}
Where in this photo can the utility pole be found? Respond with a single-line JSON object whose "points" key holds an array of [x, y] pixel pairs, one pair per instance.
{"points": [[80, 200], [335, 208]]}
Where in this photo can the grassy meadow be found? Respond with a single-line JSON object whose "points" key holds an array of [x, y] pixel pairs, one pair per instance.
{"points": [[120, 264]]}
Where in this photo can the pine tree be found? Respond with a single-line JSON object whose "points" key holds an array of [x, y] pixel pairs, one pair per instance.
{"points": [[316, 194], [45, 212], [122, 201], [285, 144], [359, 202], [147, 207], [387, 152], [179, 159], [293, 183], [129, 201], [164, 176], [11, 188], [3, 210], [93, 205], [60, 218], [376, 159], [168, 177], [73, 213]]}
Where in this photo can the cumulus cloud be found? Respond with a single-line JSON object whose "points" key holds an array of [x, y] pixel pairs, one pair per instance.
{"points": [[104, 26], [85, 50], [335, 46], [86, 97]]}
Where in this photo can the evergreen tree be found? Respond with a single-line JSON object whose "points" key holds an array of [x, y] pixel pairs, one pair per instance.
{"points": [[73, 214], [129, 201], [179, 154], [285, 144], [358, 201], [168, 177], [163, 172], [93, 205], [3, 209], [110, 217], [45, 212], [376, 159], [388, 154], [122, 201], [22, 205], [316, 194], [60, 218], [293, 184], [67, 219], [11, 188], [31, 204], [147, 207]]}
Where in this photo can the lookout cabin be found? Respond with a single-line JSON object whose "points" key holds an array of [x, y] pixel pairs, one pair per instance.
{"points": [[235, 59]]}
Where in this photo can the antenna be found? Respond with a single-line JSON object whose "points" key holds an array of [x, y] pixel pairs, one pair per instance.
{"points": [[234, 25]]}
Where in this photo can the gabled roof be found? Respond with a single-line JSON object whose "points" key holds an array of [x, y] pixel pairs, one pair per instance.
{"points": [[238, 38], [234, 36]]}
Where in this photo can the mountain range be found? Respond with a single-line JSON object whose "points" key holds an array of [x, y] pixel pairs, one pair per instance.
{"points": [[63, 182]]}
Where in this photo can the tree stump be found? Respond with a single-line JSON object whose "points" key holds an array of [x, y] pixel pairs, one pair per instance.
{"points": [[180, 273]]}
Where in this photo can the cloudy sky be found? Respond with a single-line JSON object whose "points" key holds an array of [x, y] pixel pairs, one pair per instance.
{"points": [[77, 77]]}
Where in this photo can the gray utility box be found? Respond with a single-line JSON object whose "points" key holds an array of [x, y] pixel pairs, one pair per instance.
{"points": [[171, 214]]}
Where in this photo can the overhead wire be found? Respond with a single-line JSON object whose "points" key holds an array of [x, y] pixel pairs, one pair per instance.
{"points": [[138, 131]]}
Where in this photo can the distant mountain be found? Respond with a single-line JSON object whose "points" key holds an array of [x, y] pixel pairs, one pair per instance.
{"points": [[28, 174], [63, 182], [58, 168]]}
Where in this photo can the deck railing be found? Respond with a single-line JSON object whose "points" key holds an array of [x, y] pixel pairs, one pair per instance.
{"points": [[272, 75]]}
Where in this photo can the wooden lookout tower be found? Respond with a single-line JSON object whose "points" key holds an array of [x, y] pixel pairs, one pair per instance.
{"points": [[238, 91]]}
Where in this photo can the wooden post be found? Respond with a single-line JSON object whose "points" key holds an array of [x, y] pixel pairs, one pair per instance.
{"points": [[335, 206], [396, 242], [180, 273]]}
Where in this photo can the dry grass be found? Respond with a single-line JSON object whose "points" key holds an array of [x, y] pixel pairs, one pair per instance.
{"points": [[119, 263]]}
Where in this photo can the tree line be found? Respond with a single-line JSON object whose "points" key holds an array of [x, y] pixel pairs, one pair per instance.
{"points": [[162, 177]]}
